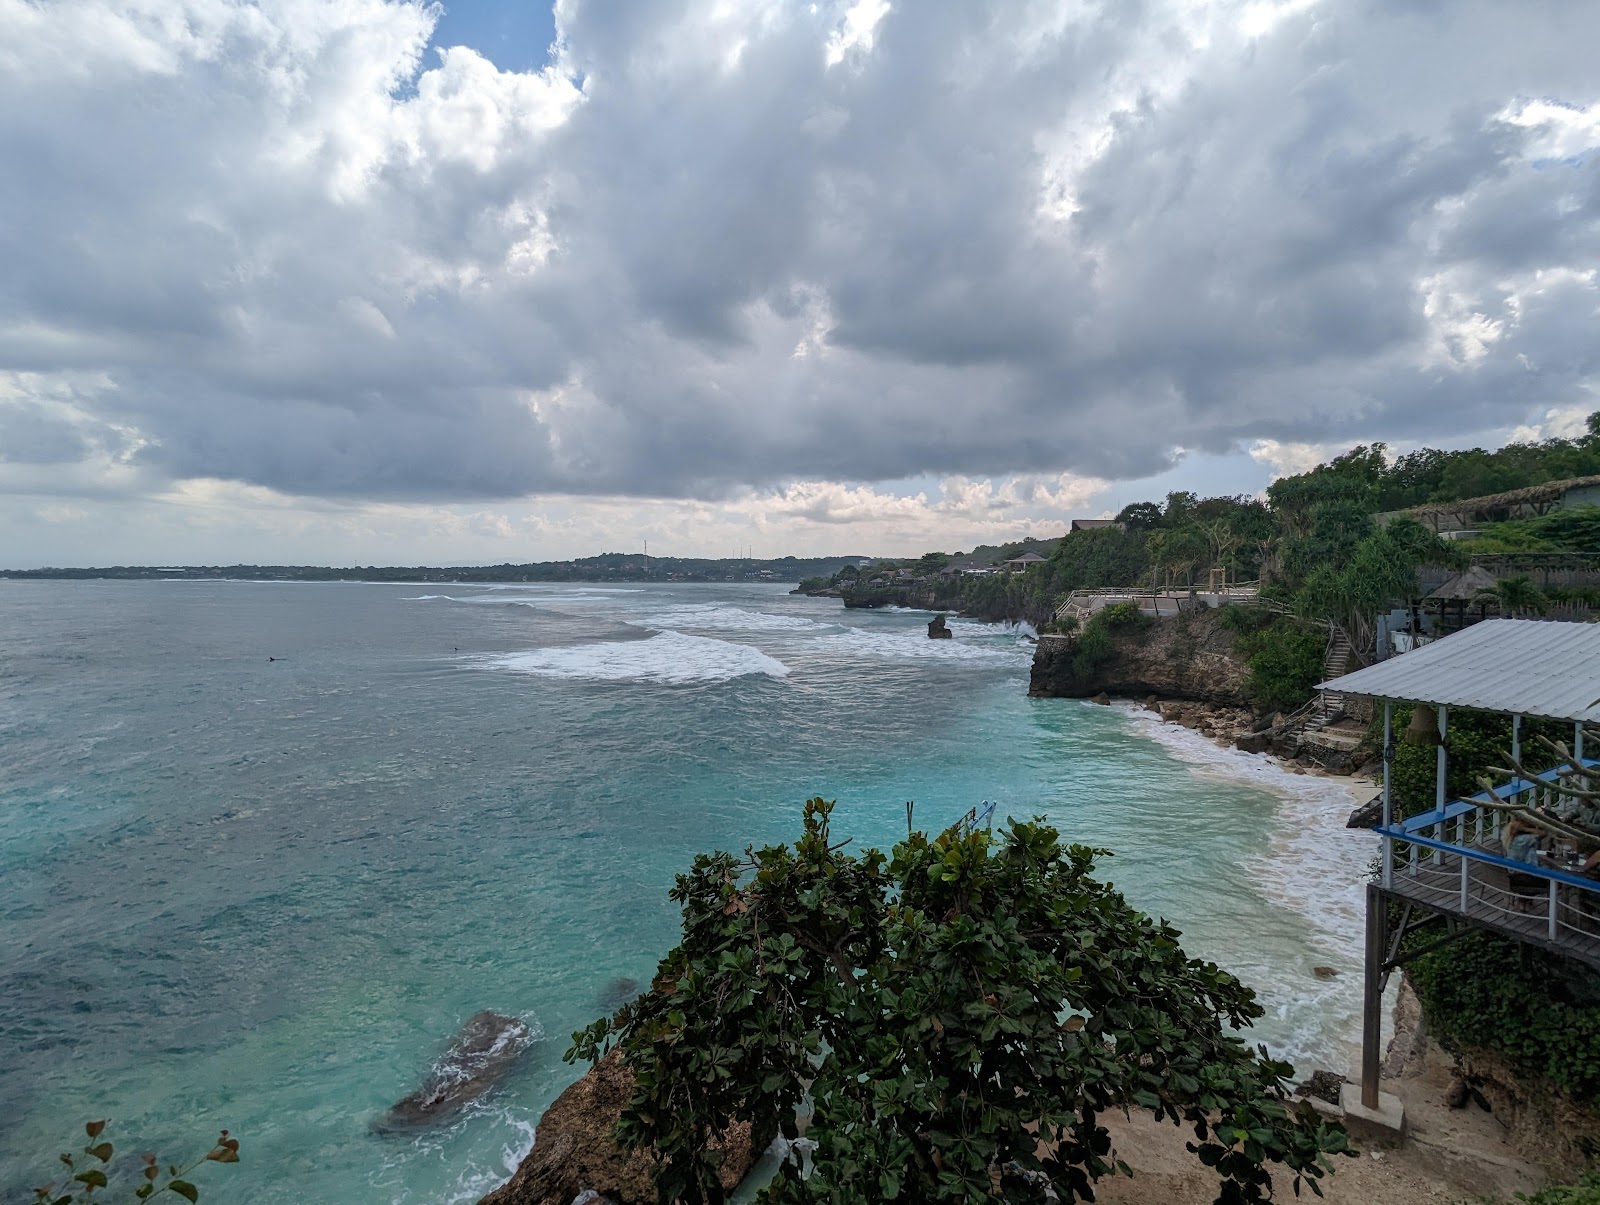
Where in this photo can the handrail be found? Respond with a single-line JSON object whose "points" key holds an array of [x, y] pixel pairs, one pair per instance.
{"points": [[1478, 855], [1517, 786]]}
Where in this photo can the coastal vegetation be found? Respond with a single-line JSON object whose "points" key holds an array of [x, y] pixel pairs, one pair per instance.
{"points": [[959, 1015], [87, 1170], [1284, 653]]}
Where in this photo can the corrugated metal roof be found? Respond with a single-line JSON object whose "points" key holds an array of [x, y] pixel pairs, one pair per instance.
{"points": [[1521, 666]]}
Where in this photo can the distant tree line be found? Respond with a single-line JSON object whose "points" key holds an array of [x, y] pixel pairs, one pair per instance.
{"points": [[610, 566]]}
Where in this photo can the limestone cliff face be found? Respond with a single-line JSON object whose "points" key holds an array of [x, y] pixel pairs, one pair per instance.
{"points": [[1189, 656]]}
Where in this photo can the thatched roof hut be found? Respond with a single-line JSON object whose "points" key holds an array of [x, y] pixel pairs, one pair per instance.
{"points": [[1464, 587]]}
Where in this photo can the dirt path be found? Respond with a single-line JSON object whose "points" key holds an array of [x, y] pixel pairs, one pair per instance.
{"points": [[1449, 1158]]}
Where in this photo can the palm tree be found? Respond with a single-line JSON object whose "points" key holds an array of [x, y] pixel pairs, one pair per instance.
{"points": [[1516, 596]]}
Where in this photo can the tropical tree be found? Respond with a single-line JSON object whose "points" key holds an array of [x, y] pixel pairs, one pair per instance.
{"points": [[1380, 573], [961, 1013], [1516, 596]]}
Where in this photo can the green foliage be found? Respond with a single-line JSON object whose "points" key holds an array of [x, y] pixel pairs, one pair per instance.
{"points": [[1365, 475], [1517, 596], [1285, 656], [1585, 1192], [960, 1014], [84, 1177], [1095, 645], [1356, 585], [1574, 529], [1476, 741], [1539, 1010]]}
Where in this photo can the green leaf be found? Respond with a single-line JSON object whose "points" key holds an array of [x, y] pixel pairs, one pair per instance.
{"points": [[94, 1178], [184, 1189], [101, 1151]]}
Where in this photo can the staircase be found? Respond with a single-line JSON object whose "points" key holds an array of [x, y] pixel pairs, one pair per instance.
{"points": [[1329, 704]]}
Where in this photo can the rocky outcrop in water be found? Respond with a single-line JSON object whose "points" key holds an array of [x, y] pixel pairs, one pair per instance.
{"points": [[1188, 656], [938, 629], [487, 1047], [574, 1152]]}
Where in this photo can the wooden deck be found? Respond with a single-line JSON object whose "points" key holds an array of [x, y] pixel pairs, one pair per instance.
{"points": [[1505, 902]]}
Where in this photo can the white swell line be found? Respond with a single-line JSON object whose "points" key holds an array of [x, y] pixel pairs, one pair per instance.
{"points": [[669, 658]]}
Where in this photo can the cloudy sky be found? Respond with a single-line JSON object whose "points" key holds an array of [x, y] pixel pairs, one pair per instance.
{"points": [[364, 281]]}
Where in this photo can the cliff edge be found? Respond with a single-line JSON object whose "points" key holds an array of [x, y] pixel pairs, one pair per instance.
{"points": [[1187, 656]]}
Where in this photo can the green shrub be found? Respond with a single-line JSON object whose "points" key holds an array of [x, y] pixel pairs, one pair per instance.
{"points": [[1539, 1010], [1285, 656], [85, 1172], [1585, 1192], [962, 1014], [1095, 646]]}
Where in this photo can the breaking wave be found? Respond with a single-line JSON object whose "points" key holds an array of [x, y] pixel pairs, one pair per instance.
{"points": [[710, 617], [668, 658], [914, 643]]}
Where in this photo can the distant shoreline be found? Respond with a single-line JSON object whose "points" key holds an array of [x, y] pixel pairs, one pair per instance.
{"points": [[610, 567]]}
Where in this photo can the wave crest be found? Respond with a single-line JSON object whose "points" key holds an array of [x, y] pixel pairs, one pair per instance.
{"points": [[668, 658]]}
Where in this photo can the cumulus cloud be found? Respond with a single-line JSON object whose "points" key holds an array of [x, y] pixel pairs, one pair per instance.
{"points": [[715, 253]]}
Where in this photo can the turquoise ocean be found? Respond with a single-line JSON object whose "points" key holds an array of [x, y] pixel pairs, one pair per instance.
{"points": [[263, 894]]}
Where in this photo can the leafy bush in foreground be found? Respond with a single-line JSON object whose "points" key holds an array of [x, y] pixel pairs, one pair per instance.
{"points": [[85, 1177], [961, 1013]]}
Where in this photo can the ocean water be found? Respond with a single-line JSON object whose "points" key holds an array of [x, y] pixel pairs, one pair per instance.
{"points": [[263, 894]]}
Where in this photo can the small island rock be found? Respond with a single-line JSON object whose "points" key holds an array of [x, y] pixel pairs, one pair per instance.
{"points": [[938, 629]]}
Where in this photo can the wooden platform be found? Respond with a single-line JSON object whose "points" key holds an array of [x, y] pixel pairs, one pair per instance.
{"points": [[1511, 905]]}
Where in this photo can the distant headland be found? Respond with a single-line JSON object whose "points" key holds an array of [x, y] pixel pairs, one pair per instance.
{"points": [[608, 567]]}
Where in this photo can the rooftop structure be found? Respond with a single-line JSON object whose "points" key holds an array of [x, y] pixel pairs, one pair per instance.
{"points": [[1453, 862], [1018, 563], [1093, 524], [1465, 587], [1466, 513]]}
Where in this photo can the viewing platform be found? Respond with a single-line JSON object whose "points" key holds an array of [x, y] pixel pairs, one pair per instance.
{"points": [[1451, 868]]}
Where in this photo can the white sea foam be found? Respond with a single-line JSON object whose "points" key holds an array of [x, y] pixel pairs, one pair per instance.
{"points": [[669, 658], [496, 600], [711, 617], [1311, 865], [913, 643]]}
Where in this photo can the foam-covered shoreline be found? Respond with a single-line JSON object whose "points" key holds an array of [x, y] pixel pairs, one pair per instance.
{"points": [[1310, 863]]}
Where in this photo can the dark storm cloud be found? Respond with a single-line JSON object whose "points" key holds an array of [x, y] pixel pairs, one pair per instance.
{"points": [[712, 249]]}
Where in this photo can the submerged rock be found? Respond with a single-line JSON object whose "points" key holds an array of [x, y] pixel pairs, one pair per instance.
{"points": [[574, 1151], [619, 991], [487, 1047]]}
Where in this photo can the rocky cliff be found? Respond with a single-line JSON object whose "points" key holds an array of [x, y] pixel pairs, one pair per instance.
{"points": [[1189, 656], [574, 1153]]}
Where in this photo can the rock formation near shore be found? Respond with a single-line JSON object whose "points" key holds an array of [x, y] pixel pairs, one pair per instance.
{"points": [[1188, 656], [938, 629], [574, 1152]]}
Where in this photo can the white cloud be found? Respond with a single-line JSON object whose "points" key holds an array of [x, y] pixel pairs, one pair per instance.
{"points": [[717, 249], [1560, 422], [1287, 459]]}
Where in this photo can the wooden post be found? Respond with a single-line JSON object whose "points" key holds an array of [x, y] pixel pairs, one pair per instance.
{"points": [[1372, 997], [1438, 786], [1388, 791]]}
